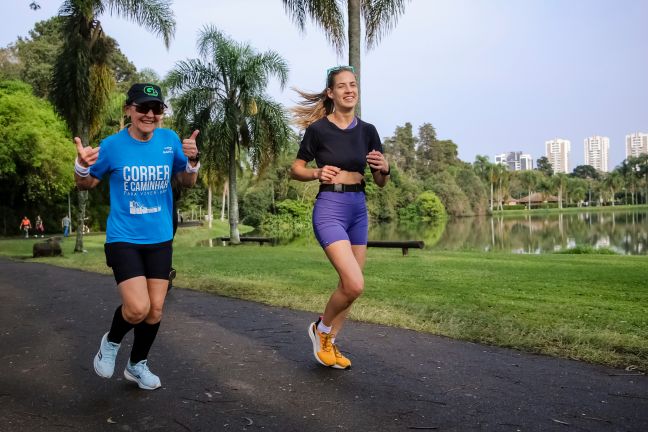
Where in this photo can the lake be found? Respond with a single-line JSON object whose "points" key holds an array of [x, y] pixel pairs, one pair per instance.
{"points": [[625, 232]]}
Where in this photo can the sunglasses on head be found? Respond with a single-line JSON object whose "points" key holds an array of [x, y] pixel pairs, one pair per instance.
{"points": [[144, 108], [329, 71]]}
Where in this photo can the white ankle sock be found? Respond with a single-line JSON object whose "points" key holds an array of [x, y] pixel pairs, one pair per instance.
{"points": [[322, 328]]}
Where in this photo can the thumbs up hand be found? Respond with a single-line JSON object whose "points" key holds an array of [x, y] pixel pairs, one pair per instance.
{"points": [[87, 156], [189, 147]]}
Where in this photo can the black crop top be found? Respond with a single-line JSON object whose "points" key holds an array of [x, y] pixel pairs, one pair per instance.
{"points": [[344, 148]]}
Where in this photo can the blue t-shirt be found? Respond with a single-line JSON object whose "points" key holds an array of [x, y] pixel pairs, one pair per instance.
{"points": [[141, 200]]}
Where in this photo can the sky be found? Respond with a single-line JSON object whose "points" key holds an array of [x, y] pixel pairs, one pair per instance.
{"points": [[491, 75]]}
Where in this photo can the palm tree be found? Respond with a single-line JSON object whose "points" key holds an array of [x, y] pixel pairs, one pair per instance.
{"points": [[486, 171], [501, 177], [380, 16], [613, 182], [223, 95], [559, 184], [82, 79], [530, 180]]}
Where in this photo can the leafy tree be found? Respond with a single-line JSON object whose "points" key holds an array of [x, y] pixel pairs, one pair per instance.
{"points": [[82, 78], [586, 172], [223, 95], [35, 155], [453, 198], [473, 188], [32, 59], [379, 17], [544, 166], [432, 155], [401, 148]]}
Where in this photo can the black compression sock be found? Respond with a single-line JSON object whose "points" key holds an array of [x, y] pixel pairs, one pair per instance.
{"points": [[144, 336], [119, 327]]}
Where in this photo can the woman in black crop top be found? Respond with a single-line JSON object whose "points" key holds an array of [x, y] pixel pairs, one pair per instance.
{"points": [[342, 146]]}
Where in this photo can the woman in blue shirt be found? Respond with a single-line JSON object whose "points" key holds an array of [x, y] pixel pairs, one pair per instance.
{"points": [[139, 162], [341, 145]]}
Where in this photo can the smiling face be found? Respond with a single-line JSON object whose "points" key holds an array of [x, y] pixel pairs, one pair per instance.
{"points": [[142, 124], [344, 91]]}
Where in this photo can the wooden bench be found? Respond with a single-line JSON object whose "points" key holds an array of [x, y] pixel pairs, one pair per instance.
{"points": [[259, 240], [404, 245]]}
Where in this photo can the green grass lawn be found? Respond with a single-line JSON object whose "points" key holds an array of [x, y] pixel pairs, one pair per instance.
{"points": [[587, 307]]}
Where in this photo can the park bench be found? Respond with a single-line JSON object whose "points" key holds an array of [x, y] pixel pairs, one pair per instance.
{"points": [[259, 240], [405, 246]]}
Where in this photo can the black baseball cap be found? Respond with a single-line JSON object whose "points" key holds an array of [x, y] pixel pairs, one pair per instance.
{"points": [[144, 92]]}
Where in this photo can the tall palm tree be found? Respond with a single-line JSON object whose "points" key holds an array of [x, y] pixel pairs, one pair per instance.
{"points": [[380, 16], [559, 184], [82, 79], [223, 95], [530, 180], [486, 171]]}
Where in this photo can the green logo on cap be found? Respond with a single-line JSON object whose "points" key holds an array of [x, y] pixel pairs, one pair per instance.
{"points": [[150, 91]]}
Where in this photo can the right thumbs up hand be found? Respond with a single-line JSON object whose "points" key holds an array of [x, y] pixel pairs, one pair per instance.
{"points": [[87, 156]]}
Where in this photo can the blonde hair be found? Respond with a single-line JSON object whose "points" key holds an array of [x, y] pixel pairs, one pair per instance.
{"points": [[311, 108]]}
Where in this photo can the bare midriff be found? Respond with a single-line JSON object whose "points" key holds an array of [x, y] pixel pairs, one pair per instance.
{"points": [[348, 178]]}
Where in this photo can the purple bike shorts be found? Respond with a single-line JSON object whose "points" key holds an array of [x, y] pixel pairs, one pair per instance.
{"points": [[340, 216]]}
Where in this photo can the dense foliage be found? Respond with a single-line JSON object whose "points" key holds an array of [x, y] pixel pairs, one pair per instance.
{"points": [[36, 155]]}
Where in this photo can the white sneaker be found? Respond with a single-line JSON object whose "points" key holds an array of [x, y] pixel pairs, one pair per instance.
{"points": [[104, 361], [140, 374]]}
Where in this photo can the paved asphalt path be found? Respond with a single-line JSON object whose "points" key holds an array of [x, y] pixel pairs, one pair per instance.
{"points": [[231, 365]]}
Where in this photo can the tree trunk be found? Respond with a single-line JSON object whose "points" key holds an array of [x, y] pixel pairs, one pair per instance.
{"points": [[82, 196], [209, 205], [224, 202], [529, 201], [491, 200], [354, 45], [233, 204]]}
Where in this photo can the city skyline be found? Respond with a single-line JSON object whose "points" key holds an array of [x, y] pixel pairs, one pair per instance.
{"points": [[640, 140]]}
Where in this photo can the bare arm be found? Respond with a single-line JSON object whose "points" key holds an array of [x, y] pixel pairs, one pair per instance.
{"points": [[326, 174], [377, 161]]}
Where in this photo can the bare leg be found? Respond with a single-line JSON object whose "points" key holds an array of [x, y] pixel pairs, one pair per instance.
{"points": [[348, 262], [360, 254]]}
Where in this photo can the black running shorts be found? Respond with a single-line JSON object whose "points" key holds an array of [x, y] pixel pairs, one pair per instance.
{"points": [[129, 260]]}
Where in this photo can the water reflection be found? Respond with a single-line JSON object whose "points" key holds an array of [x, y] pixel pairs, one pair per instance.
{"points": [[623, 232]]}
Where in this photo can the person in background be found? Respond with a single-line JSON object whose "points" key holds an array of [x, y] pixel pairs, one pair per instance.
{"points": [[342, 145], [65, 223], [40, 228], [25, 225], [139, 162]]}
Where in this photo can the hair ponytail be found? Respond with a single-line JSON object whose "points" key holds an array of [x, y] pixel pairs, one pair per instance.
{"points": [[311, 108]]}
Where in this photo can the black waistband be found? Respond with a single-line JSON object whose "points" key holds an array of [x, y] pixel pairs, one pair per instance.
{"points": [[341, 188]]}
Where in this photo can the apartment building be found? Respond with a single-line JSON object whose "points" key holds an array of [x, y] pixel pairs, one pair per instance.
{"points": [[636, 144], [557, 151], [515, 161], [597, 150]]}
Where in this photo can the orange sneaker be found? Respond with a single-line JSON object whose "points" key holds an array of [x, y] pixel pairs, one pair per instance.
{"points": [[322, 346], [341, 362]]}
